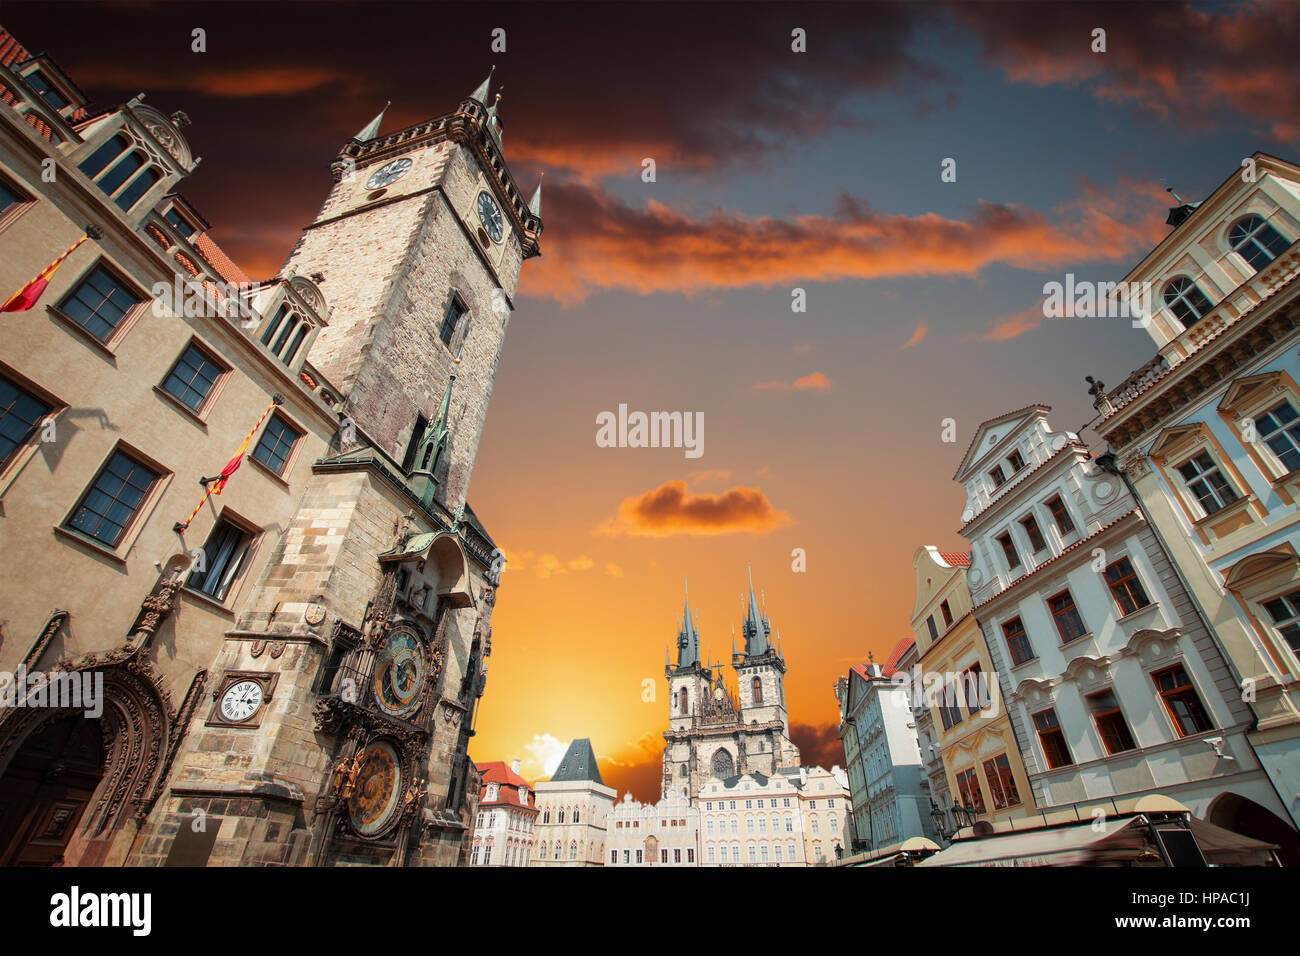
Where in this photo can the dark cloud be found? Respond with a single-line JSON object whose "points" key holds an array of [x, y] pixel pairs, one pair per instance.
{"points": [[819, 744]]}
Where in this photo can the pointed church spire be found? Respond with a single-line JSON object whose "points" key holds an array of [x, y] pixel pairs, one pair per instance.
{"points": [[481, 94], [688, 638], [755, 625], [371, 129], [535, 204]]}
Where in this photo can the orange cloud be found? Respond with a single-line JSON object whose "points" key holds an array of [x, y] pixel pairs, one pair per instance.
{"points": [[285, 79], [671, 509], [922, 329], [1010, 326], [815, 381], [602, 242]]}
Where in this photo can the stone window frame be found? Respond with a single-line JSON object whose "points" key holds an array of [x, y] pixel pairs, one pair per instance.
{"points": [[226, 370], [26, 200], [10, 470], [138, 521], [123, 328], [1176, 446], [256, 534], [1249, 397], [291, 460], [1260, 577]]}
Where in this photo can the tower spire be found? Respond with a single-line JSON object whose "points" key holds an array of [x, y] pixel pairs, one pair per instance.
{"points": [[371, 129], [535, 204], [481, 94]]}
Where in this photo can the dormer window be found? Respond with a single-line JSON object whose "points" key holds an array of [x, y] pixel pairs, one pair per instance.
{"points": [[41, 85], [127, 179], [1256, 241], [998, 477], [284, 334], [1186, 301], [186, 228]]}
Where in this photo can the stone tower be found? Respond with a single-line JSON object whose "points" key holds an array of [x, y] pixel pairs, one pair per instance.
{"points": [[760, 669], [365, 640]]}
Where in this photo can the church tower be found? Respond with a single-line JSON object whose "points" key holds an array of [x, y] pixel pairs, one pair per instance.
{"points": [[365, 640], [760, 668], [690, 684]]}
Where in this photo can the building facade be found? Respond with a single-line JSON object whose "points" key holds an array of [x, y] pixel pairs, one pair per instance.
{"points": [[573, 810], [713, 731], [889, 792], [666, 833], [955, 680], [795, 818], [506, 817], [291, 671], [1114, 686], [1206, 435], [824, 805]]}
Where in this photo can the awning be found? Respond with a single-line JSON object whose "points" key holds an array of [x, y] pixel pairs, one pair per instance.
{"points": [[1086, 842], [1227, 848], [895, 853]]}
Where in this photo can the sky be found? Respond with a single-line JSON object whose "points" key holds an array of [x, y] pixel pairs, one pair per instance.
{"points": [[775, 170]]}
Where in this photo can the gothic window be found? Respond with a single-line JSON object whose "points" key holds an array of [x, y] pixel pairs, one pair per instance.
{"points": [[573, 851], [451, 319], [683, 701], [1186, 301], [758, 690], [576, 815], [1256, 241], [723, 765], [413, 446], [561, 820]]}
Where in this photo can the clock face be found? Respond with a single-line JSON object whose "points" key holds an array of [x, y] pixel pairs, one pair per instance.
{"points": [[490, 216], [241, 700], [378, 787], [389, 173], [399, 671]]}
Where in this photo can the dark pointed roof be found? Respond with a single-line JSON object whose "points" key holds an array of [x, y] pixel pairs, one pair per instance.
{"points": [[579, 763], [756, 628], [688, 638]]}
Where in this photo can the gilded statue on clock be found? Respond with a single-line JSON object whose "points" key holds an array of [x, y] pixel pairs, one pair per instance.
{"points": [[378, 789], [400, 671]]}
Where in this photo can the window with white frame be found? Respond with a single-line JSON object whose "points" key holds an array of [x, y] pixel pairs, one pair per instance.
{"points": [[1256, 241], [1279, 429], [1205, 481], [1186, 301], [1285, 613]]}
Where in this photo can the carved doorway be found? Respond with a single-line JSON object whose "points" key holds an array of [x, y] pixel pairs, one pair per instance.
{"points": [[46, 790]]}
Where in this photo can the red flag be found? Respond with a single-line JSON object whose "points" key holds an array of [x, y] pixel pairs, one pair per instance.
{"points": [[232, 466], [26, 297]]}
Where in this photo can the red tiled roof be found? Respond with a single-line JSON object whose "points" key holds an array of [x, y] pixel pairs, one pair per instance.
{"points": [[497, 771], [955, 560], [508, 785], [896, 655], [222, 263]]}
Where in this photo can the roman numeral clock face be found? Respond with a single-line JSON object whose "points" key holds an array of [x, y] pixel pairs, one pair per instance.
{"points": [[241, 700], [388, 174], [490, 216]]}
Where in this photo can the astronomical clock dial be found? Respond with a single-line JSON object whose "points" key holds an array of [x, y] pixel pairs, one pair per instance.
{"points": [[241, 700], [378, 789], [388, 173], [490, 216], [400, 671]]}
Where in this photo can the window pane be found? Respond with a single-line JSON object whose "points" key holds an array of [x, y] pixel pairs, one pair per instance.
{"points": [[99, 303], [139, 186], [192, 378], [95, 163], [276, 443], [8, 197], [20, 415], [113, 499]]}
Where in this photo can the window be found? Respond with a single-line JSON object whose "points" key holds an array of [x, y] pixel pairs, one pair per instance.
{"points": [[1009, 551], [99, 303], [1285, 612], [757, 686], [192, 377], [663, 855], [1002, 785], [1110, 722], [690, 854], [41, 85], [1018, 645], [677, 855], [139, 186], [949, 712], [946, 611], [639, 858], [96, 162], [9, 197], [684, 700], [1204, 480], [224, 554], [1068, 622], [1279, 428], [969, 789], [1015, 460], [21, 413], [124, 169], [1060, 514], [573, 851], [1256, 241], [1034, 533], [451, 319], [114, 499], [276, 444], [413, 446], [1186, 301], [712, 856], [998, 477], [934, 631], [972, 681], [186, 228], [1125, 587], [753, 853], [1182, 701]]}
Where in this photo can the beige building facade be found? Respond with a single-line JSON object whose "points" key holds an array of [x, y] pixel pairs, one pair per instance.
{"points": [[666, 833], [573, 811]]}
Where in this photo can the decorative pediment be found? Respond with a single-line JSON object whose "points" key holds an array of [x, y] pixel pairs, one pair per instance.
{"points": [[1243, 389], [993, 433], [1151, 645], [1178, 439], [1087, 669], [1279, 561], [1035, 691]]}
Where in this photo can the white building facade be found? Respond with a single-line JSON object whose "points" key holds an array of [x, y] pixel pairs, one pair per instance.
{"points": [[505, 822], [666, 833], [1114, 686]]}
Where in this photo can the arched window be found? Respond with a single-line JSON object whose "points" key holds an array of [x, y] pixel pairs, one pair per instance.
{"points": [[1186, 301], [573, 851], [561, 816], [139, 186], [1256, 241], [758, 690], [125, 168], [546, 817], [559, 848], [576, 815], [684, 703], [723, 765], [98, 161]]}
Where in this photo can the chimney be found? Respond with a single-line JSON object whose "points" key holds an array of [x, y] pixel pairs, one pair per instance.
{"points": [[514, 765]]}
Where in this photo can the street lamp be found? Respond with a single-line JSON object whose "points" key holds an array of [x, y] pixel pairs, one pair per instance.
{"points": [[963, 816], [940, 820]]}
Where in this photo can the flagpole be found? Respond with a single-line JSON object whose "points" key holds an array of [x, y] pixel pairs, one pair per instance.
{"points": [[92, 232], [213, 486]]}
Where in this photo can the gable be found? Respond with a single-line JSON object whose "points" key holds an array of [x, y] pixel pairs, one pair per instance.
{"points": [[991, 435]]}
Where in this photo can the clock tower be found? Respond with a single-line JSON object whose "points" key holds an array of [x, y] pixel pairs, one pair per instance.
{"points": [[347, 687]]}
